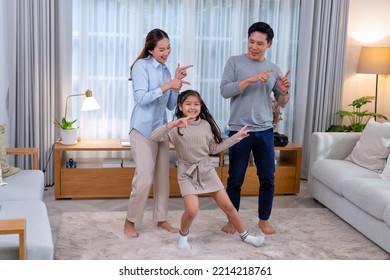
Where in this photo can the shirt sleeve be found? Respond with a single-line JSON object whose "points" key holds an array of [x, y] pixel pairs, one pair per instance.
{"points": [[141, 76], [172, 101]]}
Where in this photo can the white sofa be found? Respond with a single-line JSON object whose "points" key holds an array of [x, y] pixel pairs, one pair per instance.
{"points": [[357, 195], [21, 198]]}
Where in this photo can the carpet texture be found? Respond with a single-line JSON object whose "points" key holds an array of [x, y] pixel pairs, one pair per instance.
{"points": [[314, 233]]}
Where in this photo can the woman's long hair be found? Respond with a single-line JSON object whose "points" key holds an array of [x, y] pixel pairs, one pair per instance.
{"points": [[204, 113], [151, 41]]}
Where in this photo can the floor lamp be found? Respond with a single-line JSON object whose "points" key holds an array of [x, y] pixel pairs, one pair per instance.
{"points": [[374, 60]]}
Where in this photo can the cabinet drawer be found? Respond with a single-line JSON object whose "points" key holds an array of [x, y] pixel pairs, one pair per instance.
{"points": [[96, 182], [285, 180]]}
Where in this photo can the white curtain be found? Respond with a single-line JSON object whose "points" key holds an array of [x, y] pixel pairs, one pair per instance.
{"points": [[108, 35]]}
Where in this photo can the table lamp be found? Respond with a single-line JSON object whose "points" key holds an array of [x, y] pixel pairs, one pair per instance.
{"points": [[69, 134], [89, 102]]}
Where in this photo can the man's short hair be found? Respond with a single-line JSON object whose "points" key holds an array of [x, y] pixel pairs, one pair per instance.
{"points": [[262, 27]]}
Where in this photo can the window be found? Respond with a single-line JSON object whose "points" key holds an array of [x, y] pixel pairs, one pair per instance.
{"points": [[108, 35]]}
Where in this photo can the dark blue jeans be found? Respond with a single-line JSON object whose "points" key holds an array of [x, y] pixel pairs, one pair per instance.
{"points": [[261, 143]]}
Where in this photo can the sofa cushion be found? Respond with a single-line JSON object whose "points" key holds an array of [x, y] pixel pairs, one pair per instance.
{"points": [[386, 171], [332, 172], [373, 147], [386, 215], [371, 195], [25, 185], [39, 240]]}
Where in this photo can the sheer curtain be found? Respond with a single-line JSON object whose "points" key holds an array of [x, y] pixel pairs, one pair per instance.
{"points": [[109, 34]]}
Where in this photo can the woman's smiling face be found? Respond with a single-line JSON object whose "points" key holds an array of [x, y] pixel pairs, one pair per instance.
{"points": [[161, 51]]}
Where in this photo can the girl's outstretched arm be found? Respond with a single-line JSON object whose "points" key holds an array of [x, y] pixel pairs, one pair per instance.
{"points": [[242, 133], [215, 148], [161, 133], [182, 122]]}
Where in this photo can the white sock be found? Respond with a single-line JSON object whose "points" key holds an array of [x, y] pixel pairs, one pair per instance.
{"points": [[250, 239], [183, 240]]}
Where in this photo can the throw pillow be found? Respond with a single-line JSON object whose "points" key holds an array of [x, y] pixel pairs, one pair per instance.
{"points": [[373, 147], [2, 183], [7, 170], [386, 171]]}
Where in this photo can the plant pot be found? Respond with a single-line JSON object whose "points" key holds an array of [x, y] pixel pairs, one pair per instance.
{"points": [[69, 136]]}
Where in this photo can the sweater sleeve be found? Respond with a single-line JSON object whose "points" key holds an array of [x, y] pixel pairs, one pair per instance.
{"points": [[215, 148], [160, 134], [229, 84]]}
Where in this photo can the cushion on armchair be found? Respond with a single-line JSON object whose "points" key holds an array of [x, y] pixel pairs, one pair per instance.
{"points": [[2, 183], [7, 170]]}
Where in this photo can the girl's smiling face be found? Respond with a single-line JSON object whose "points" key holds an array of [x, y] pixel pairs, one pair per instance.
{"points": [[191, 106], [161, 51]]}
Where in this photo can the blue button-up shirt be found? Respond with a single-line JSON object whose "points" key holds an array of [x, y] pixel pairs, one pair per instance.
{"points": [[149, 111]]}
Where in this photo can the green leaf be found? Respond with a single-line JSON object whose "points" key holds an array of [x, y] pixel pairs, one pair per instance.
{"points": [[65, 124], [338, 128], [356, 116]]}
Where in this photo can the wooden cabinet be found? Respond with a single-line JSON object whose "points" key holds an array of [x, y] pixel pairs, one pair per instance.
{"points": [[287, 172], [91, 180]]}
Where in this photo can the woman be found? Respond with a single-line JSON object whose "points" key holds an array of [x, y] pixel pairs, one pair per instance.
{"points": [[154, 91]]}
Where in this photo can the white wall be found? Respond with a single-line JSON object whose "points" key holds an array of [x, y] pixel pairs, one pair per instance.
{"points": [[368, 25]]}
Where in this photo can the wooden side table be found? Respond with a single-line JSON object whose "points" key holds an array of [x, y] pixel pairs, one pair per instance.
{"points": [[16, 226]]}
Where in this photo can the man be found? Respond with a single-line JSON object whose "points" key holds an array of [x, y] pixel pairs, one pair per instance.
{"points": [[248, 81]]}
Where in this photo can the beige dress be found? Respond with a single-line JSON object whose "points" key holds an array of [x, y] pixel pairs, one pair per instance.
{"points": [[196, 174]]}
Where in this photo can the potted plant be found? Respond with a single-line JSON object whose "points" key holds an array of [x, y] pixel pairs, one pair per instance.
{"points": [[69, 134], [356, 117]]}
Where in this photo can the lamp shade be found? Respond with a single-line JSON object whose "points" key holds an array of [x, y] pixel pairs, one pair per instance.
{"points": [[374, 60], [89, 104]]}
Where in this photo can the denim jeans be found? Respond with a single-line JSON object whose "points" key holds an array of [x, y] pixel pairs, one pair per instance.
{"points": [[261, 143]]}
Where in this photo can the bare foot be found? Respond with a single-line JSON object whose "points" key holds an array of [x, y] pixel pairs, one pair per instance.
{"points": [[129, 229], [165, 225], [266, 227], [229, 228]]}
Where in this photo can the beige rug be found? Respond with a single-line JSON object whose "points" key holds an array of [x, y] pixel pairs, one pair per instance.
{"points": [[301, 234]]}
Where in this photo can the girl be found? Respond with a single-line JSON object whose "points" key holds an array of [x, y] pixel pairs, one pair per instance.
{"points": [[195, 137], [154, 92]]}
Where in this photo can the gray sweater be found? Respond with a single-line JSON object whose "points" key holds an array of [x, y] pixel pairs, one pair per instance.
{"points": [[253, 105]]}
